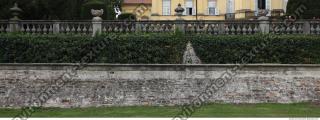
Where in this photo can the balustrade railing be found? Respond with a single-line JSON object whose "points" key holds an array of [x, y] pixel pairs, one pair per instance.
{"points": [[315, 27], [228, 27], [4, 26], [222, 27]]}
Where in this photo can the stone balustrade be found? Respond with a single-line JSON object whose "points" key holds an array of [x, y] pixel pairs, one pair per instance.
{"points": [[237, 27]]}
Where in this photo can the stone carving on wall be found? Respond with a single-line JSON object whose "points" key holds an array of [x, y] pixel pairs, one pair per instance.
{"points": [[190, 56]]}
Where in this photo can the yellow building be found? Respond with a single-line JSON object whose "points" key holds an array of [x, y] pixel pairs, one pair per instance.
{"points": [[206, 9]]}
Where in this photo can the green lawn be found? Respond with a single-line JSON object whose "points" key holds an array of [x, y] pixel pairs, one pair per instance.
{"points": [[211, 110]]}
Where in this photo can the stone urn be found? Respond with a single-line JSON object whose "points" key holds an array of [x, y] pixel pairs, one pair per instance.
{"points": [[179, 10], [263, 12], [15, 11], [97, 14], [263, 15]]}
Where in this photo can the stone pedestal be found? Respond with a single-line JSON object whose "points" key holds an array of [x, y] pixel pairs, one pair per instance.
{"points": [[96, 21], [96, 28]]}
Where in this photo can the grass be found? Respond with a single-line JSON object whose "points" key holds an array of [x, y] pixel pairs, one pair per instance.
{"points": [[210, 110]]}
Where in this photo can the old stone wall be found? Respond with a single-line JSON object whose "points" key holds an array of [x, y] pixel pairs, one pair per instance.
{"points": [[155, 85]]}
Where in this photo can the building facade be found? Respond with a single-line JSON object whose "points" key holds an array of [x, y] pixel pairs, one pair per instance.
{"points": [[206, 9]]}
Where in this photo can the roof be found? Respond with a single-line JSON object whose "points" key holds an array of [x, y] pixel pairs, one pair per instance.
{"points": [[137, 1]]}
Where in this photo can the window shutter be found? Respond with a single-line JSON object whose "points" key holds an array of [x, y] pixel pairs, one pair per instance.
{"points": [[268, 6], [185, 11], [217, 11], [194, 11], [256, 7]]}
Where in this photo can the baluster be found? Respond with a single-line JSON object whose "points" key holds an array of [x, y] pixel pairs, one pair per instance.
{"points": [[233, 30], [1, 29], [72, 27], [7, 28], [161, 27], [244, 29], [312, 28], [249, 29], [294, 29], [193, 29], [256, 30], [90, 29], [216, 29], [27, 28], [67, 29], [127, 28], [115, 28], [227, 29], [33, 30], [167, 28], [144, 27], [38, 28], [238, 31], [210, 29], [61, 28], [133, 27], [45, 29], [104, 29], [273, 28], [318, 29], [84, 29], [79, 30], [121, 27], [110, 28], [300, 29]]}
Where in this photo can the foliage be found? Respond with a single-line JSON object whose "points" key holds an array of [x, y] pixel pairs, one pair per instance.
{"points": [[55, 9], [127, 16], [129, 48], [312, 8], [160, 48], [284, 49]]}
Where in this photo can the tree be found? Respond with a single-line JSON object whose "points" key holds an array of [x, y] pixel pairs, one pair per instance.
{"points": [[54, 9], [303, 9]]}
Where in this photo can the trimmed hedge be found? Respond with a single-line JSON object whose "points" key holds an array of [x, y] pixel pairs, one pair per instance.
{"points": [[283, 49], [159, 48], [162, 49]]}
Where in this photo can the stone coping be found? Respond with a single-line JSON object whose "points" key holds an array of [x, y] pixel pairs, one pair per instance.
{"points": [[158, 67]]}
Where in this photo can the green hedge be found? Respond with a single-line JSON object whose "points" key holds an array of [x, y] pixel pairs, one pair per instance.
{"points": [[284, 49], [162, 49], [159, 48]]}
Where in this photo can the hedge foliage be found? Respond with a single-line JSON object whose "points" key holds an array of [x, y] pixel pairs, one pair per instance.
{"points": [[283, 49], [160, 48], [131, 48]]}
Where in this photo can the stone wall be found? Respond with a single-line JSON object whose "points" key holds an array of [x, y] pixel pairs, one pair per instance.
{"points": [[156, 85]]}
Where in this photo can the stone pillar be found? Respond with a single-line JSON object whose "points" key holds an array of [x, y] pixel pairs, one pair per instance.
{"points": [[179, 25], [138, 26], [264, 26], [56, 27], [96, 22], [222, 28], [96, 28], [306, 27], [14, 26]]}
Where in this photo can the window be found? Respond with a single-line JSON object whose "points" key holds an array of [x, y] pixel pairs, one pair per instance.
{"points": [[166, 7], [262, 4], [230, 6], [189, 7], [212, 7]]}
